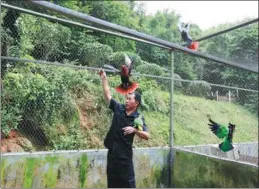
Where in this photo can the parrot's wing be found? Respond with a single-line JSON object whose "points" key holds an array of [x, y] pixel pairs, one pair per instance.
{"points": [[127, 61], [138, 123], [214, 127]]}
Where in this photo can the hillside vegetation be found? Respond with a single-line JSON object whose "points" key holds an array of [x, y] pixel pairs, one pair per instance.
{"points": [[63, 108], [55, 107]]}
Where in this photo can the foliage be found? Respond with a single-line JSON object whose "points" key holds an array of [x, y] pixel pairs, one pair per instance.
{"points": [[117, 59], [150, 68], [199, 88], [65, 107], [95, 54]]}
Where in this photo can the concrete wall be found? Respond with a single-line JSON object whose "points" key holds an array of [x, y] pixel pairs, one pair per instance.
{"points": [[191, 170], [244, 152], [84, 169], [87, 169]]}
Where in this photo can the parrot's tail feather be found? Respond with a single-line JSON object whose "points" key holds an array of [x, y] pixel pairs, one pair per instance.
{"points": [[130, 89], [194, 45], [212, 121], [231, 131]]}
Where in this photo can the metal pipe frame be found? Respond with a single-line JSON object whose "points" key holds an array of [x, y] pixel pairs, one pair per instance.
{"points": [[73, 23], [134, 33], [0, 70], [228, 30], [171, 139], [15, 59]]}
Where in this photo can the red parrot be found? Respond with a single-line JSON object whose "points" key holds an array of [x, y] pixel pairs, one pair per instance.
{"points": [[126, 86], [194, 45]]}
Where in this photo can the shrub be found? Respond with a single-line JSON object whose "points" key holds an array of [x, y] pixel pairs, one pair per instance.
{"points": [[118, 58], [198, 88], [95, 54], [151, 69]]}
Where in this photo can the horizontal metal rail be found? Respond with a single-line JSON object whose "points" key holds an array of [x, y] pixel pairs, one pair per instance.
{"points": [[228, 30], [134, 33], [15, 59], [73, 23]]}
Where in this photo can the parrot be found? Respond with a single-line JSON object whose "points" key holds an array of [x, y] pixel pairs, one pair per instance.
{"points": [[138, 123], [193, 45], [221, 132], [126, 86]]}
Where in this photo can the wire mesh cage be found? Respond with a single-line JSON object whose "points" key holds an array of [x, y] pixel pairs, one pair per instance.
{"points": [[52, 98]]}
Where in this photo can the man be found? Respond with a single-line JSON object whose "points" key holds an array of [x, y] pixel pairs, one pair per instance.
{"points": [[120, 169]]}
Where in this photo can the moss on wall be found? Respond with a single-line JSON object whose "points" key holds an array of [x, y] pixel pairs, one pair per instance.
{"points": [[150, 173], [3, 167], [70, 170], [51, 174], [29, 172], [83, 170], [196, 171]]}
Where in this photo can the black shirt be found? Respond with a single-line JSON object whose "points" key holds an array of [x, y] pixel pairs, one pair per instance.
{"points": [[119, 145]]}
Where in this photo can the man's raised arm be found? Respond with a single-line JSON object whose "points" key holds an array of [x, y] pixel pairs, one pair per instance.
{"points": [[106, 88]]}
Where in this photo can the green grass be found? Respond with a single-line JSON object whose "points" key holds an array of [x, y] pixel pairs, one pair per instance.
{"points": [[191, 122]]}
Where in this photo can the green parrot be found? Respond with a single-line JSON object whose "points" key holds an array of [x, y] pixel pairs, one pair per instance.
{"points": [[138, 123], [221, 132]]}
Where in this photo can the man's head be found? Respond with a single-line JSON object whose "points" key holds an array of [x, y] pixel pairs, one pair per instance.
{"points": [[133, 101]]}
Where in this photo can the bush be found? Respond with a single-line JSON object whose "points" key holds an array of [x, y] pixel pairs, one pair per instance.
{"points": [[95, 54], [249, 100], [30, 97], [158, 101], [150, 68], [117, 59], [198, 88], [38, 97], [166, 83]]}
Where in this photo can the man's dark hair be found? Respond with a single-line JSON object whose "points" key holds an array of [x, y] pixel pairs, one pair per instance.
{"points": [[137, 97]]}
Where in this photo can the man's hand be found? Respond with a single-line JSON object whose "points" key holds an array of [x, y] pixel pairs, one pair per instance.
{"points": [[102, 74], [129, 130]]}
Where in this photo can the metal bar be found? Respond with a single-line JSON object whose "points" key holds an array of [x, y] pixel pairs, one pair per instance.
{"points": [[60, 20], [217, 85], [227, 30], [113, 71], [55, 63], [108, 25], [0, 73], [194, 81], [171, 129], [171, 140]]}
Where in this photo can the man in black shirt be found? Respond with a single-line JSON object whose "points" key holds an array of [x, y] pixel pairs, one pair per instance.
{"points": [[120, 169]]}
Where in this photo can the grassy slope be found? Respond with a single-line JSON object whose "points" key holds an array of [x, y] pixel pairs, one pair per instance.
{"points": [[191, 119]]}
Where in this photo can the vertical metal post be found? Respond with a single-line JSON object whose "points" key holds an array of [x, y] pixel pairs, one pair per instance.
{"points": [[0, 63], [229, 96], [171, 140], [0, 87]]}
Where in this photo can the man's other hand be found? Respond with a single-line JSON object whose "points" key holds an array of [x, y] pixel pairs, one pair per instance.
{"points": [[129, 130]]}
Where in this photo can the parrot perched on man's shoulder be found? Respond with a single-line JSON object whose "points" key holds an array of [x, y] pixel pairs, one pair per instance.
{"points": [[223, 132], [138, 123]]}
